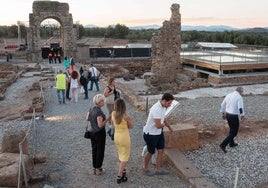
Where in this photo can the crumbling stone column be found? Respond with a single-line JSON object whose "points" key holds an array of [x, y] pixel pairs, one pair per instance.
{"points": [[166, 44]]}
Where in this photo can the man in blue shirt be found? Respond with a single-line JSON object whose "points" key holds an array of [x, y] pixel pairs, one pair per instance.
{"points": [[232, 108]]}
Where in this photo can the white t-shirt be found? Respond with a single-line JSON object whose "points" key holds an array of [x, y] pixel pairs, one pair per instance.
{"points": [[156, 112], [74, 83]]}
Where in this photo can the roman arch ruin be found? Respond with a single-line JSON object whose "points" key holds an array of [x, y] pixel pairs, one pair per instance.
{"points": [[51, 10]]}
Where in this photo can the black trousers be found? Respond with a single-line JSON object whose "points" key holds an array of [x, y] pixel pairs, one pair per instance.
{"points": [[233, 122], [68, 90], [98, 148]]}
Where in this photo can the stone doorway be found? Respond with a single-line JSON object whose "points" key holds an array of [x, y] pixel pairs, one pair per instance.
{"points": [[43, 10]]}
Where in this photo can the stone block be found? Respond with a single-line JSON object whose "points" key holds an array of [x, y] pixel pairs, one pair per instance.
{"points": [[11, 140], [186, 169], [9, 165], [184, 137]]}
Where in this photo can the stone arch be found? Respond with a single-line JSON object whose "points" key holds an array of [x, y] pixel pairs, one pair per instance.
{"points": [[55, 10]]}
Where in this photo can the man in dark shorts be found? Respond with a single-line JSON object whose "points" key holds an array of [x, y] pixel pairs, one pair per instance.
{"points": [[153, 134]]}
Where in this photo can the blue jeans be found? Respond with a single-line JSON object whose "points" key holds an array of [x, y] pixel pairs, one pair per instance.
{"points": [[95, 80], [86, 89], [61, 97]]}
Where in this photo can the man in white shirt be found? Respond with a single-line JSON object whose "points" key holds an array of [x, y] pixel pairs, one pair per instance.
{"points": [[232, 108], [153, 134], [94, 77]]}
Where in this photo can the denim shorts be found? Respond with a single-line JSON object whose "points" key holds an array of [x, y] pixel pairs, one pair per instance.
{"points": [[154, 142]]}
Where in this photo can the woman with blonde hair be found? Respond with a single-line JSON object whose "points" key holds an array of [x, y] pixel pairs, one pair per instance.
{"points": [[98, 121], [122, 123]]}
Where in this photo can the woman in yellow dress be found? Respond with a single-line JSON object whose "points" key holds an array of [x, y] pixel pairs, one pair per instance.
{"points": [[122, 122]]}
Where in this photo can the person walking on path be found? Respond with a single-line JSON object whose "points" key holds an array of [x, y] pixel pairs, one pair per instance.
{"points": [[94, 77], [74, 86], [66, 63], [61, 86], [72, 63], [84, 80], [98, 121], [59, 57], [232, 108], [68, 83], [7, 56], [50, 58], [154, 136], [122, 123]]}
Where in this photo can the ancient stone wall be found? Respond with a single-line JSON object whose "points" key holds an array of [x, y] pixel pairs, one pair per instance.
{"points": [[166, 52], [246, 79]]}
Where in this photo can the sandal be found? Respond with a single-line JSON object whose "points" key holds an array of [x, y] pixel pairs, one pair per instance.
{"points": [[100, 171], [121, 179]]}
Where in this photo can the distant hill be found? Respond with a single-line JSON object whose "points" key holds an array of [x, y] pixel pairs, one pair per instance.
{"points": [[213, 28], [208, 28], [145, 27], [255, 30], [90, 26]]}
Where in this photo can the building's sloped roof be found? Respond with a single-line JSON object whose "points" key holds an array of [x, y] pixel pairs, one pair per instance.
{"points": [[139, 45], [90, 41], [214, 45]]}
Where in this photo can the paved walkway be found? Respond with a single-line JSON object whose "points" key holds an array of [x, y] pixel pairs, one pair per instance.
{"points": [[60, 137]]}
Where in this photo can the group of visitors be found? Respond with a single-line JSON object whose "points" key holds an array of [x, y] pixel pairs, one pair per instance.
{"points": [[76, 81], [53, 57], [122, 122], [231, 109]]}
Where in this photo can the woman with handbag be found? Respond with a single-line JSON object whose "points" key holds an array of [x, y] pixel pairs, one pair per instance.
{"points": [[122, 123], [98, 121]]}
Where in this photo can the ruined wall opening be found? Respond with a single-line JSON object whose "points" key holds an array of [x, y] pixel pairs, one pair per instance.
{"points": [[43, 10], [51, 38]]}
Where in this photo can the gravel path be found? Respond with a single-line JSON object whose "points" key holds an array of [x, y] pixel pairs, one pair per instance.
{"points": [[60, 137]]}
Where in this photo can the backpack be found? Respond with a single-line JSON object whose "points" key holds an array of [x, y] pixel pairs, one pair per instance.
{"points": [[83, 80]]}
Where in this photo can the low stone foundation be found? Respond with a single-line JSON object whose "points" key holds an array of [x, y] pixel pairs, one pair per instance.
{"points": [[9, 165], [184, 137], [234, 80]]}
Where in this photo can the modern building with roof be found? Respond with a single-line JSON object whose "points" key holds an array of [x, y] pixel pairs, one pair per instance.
{"points": [[230, 66], [215, 45]]}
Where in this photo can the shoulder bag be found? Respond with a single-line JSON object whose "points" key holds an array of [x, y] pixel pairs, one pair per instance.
{"points": [[88, 133]]}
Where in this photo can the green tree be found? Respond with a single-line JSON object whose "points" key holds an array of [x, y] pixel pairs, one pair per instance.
{"points": [[13, 31], [120, 31], [81, 31]]}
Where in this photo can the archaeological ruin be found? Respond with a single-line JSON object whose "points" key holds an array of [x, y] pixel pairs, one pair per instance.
{"points": [[166, 53], [59, 11]]}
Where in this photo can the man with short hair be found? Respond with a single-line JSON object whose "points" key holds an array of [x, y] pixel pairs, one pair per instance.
{"points": [[232, 108], [153, 134]]}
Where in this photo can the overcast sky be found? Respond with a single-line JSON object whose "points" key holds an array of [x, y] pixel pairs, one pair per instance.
{"points": [[235, 13]]}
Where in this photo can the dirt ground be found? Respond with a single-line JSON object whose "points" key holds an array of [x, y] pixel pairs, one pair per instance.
{"points": [[247, 129], [207, 134], [17, 95]]}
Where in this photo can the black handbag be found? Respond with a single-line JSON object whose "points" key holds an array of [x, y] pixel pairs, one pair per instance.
{"points": [[111, 131], [116, 95], [88, 134]]}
